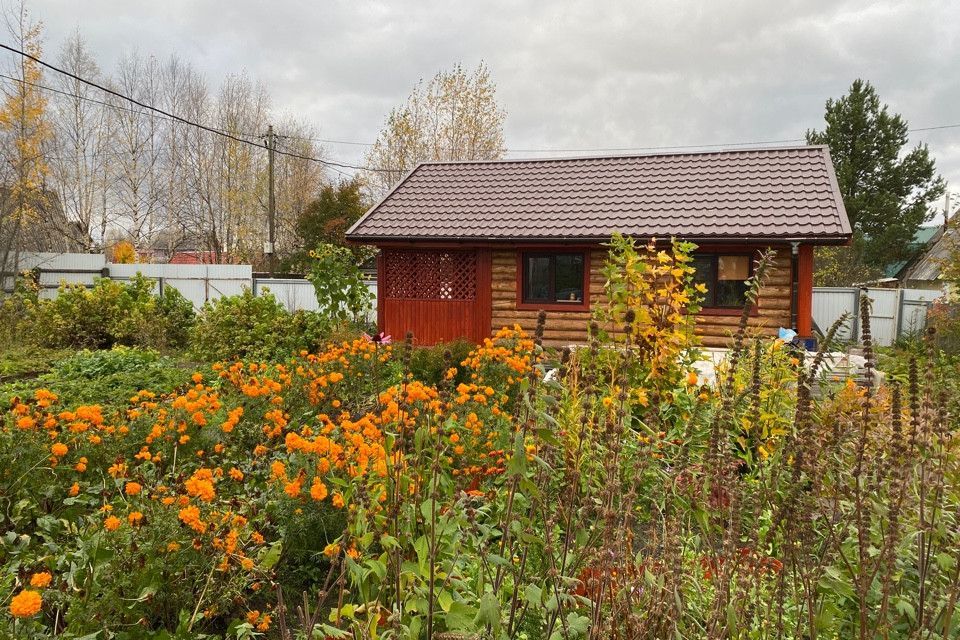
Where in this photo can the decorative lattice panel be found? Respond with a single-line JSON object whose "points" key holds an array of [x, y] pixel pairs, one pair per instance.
{"points": [[430, 274]]}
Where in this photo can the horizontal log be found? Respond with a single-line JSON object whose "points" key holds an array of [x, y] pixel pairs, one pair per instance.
{"points": [[528, 314], [768, 302]]}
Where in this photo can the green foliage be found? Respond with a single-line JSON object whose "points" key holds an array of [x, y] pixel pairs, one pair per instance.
{"points": [[430, 363], [944, 320], [18, 310], [114, 313], [327, 218], [105, 377], [886, 190], [843, 266], [253, 327], [342, 294], [18, 361]]}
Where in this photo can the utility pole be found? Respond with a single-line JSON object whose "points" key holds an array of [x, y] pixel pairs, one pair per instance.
{"points": [[269, 247]]}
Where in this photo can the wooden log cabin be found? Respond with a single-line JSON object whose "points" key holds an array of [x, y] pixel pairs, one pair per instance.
{"points": [[469, 247]]}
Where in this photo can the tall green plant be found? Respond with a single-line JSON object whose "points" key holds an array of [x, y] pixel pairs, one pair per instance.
{"points": [[342, 294]]}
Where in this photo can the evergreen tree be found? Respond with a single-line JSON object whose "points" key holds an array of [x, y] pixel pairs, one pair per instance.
{"points": [[887, 192]]}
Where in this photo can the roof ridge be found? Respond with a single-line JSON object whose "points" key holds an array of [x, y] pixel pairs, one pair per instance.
{"points": [[628, 156]]}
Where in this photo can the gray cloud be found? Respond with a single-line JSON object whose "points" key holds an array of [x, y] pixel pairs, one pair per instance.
{"points": [[578, 74]]}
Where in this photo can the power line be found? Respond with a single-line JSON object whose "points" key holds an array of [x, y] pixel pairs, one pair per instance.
{"points": [[173, 116], [334, 165], [149, 114], [625, 149]]}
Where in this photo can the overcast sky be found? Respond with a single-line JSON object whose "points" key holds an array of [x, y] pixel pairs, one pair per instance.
{"points": [[571, 74]]}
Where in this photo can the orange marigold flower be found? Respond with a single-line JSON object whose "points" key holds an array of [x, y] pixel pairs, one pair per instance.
{"points": [[200, 484], [134, 518], [26, 422], [59, 449], [292, 489], [337, 500], [264, 623], [197, 378], [259, 450], [112, 523], [257, 537], [247, 564], [133, 488], [692, 378], [190, 516], [331, 550], [253, 616], [318, 490], [236, 474], [41, 580], [74, 489], [25, 604]]}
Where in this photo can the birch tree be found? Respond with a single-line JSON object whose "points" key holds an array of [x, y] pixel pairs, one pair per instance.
{"points": [[26, 132], [138, 184], [455, 116], [82, 164]]}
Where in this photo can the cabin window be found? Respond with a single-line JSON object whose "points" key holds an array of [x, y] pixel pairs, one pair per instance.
{"points": [[725, 277], [553, 278]]}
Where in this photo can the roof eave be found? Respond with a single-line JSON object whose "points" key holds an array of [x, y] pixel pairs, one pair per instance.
{"points": [[832, 239]]}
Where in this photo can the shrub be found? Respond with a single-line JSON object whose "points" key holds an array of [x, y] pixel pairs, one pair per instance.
{"points": [[115, 313], [944, 318], [253, 327], [18, 312]]}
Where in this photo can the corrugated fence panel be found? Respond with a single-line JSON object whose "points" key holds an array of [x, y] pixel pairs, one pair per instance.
{"points": [[294, 294], [893, 312], [62, 261], [57, 268], [913, 313], [883, 315], [198, 283], [829, 304]]}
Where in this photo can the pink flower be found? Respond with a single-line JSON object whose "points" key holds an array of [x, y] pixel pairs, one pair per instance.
{"points": [[380, 338]]}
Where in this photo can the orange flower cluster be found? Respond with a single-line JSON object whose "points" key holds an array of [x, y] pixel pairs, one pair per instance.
{"points": [[168, 455]]}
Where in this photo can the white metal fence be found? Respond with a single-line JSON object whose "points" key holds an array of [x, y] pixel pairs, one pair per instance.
{"points": [[893, 312], [198, 283]]}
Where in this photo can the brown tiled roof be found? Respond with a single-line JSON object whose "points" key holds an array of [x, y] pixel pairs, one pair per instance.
{"points": [[783, 193]]}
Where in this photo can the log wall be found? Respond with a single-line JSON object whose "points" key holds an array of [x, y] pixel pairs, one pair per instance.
{"points": [[570, 327]]}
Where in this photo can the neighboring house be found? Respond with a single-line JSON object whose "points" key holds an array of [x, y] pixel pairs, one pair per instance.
{"points": [[46, 230], [924, 271], [922, 239], [193, 257], [469, 247]]}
